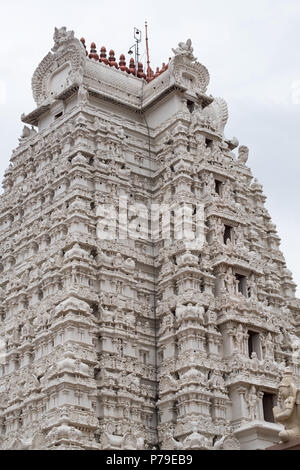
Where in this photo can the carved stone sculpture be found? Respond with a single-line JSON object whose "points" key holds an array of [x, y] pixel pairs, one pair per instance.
{"points": [[288, 411], [185, 49]]}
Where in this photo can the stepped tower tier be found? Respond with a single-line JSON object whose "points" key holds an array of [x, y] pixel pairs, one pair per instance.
{"points": [[145, 301]]}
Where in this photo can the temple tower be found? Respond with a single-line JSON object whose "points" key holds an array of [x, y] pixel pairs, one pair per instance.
{"points": [[145, 301]]}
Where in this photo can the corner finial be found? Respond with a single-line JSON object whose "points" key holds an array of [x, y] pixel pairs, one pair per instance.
{"points": [[185, 49], [61, 36]]}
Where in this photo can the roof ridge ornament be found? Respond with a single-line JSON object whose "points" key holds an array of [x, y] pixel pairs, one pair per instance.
{"points": [[189, 73], [61, 37], [61, 69], [185, 49]]}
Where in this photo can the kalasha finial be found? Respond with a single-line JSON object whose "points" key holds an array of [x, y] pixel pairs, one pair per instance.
{"points": [[93, 53], [103, 57], [132, 68], [122, 63], [151, 75], [82, 40], [157, 74], [112, 60], [140, 72]]}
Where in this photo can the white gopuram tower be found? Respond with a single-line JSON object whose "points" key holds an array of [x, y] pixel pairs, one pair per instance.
{"points": [[137, 340]]}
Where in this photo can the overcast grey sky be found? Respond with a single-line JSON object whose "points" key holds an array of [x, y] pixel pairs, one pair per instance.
{"points": [[251, 48]]}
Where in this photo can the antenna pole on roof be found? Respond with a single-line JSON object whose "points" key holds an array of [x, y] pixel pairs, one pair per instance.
{"points": [[138, 40], [148, 57]]}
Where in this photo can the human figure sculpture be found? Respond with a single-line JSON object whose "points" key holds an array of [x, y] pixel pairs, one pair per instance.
{"points": [[243, 154], [288, 411], [240, 339], [252, 402], [295, 344], [269, 347], [229, 281]]}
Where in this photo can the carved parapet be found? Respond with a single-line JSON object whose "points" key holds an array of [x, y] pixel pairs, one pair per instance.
{"points": [[189, 74], [60, 69]]}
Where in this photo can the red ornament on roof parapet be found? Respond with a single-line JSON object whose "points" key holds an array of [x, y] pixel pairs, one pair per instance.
{"points": [[140, 72], [103, 56], [151, 75], [93, 53], [132, 68], [82, 40], [122, 64], [112, 60]]}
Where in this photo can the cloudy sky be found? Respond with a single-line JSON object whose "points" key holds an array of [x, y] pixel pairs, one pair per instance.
{"points": [[250, 47]]}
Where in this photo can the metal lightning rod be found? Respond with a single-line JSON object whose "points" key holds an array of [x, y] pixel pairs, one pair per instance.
{"points": [[148, 57]]}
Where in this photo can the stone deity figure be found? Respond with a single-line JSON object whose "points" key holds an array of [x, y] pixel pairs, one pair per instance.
{"points": [[252, 402], [229, 281], [254, 362], [243, 154], [240, 338], [269, 347], [288, 411]]}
